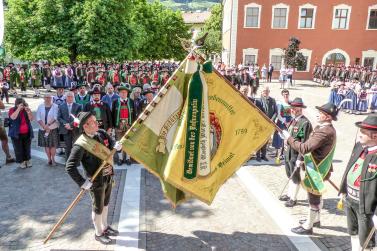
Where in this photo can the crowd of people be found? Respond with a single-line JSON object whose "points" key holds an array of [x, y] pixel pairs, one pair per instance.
{"points": [[45, 75], [115, 93], [325, 74], [355, 85], [251, 74]]}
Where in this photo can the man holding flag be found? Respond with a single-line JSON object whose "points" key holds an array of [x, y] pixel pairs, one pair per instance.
{"points": [[318, 151], [91, 148]]}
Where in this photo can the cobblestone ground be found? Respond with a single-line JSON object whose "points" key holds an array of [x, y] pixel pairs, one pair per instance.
{"points": [[232, 222], [32, 200]]}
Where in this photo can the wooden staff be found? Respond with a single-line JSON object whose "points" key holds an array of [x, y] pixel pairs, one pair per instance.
{"points": [[371, 234], [78, 197]]}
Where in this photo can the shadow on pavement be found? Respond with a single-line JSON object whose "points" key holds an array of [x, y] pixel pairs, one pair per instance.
{"points": [[158, 205], [32, 201], [205, 240]]}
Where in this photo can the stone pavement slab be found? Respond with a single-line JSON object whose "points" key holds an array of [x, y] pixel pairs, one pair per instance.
{"points": [[233, 222], [32, 201]]}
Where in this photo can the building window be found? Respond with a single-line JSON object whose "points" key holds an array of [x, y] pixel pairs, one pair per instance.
{"points": [[306, 18], [369, 58], [336, 59], [372, 24], [307, 14], [280, 18], [276, 61], [250, 56], [280, 14], [252, 15], [249, 59], [368, 62], [341, 17]]}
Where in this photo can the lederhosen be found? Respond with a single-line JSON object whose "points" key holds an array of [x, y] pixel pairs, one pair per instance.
{"points": [[355, 184], [100, 192]]}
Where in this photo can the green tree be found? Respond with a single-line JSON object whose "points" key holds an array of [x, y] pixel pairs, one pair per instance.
{"points": [[292, 56], [158, 28], [213, 43], [104, 29], [64, 30]]}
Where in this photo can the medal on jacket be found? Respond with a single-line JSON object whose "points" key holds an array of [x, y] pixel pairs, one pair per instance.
{"points": [[372, 168]]}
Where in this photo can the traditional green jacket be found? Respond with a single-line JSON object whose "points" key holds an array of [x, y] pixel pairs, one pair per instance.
{"points": [[83, 101], [13, 75], [35, 76], [300, 130]]}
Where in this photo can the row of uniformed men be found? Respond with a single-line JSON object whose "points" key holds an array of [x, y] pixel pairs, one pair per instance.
{"points": [[359, 183], [325, 74], [65, 75]]}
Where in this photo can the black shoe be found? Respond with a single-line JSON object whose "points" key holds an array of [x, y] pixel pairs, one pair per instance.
{"points": [[104, 239], [284, 197], [128, 162], [290, 203], [109, 231], [10, 160], [258, 159], [265, 158], [315, 224], [302, 231]]}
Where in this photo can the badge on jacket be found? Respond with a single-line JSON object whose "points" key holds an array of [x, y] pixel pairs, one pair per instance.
{"points": [[106, 142], [372, 168]]}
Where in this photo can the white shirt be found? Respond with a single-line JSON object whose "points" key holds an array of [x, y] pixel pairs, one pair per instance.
{"points": [[52, 115]]}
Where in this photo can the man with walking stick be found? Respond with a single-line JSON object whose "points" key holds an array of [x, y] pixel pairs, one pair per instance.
{"points": [[359, 186], [91, 149], [318, 151], [299, 128]]}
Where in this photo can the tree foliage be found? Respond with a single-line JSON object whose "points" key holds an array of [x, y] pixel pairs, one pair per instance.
{"points": [[292, 56], [65, 30], [159, 28], [213, 43]]}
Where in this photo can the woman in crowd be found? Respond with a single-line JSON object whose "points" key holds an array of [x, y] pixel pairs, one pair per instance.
{"points": [[21, 131], [264, 73], [48, 136]]}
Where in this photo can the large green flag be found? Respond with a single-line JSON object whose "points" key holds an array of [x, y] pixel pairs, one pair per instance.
{"points": [[150, 140]]}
